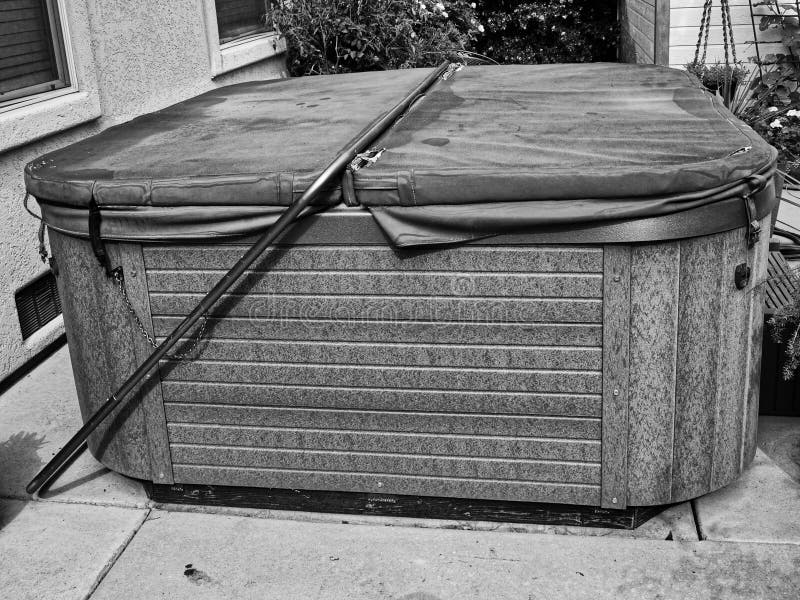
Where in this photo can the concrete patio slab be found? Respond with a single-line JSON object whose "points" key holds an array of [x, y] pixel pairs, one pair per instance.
{"points": [[55, 551], [198, 556], [40, 413], [761, 506], [779, 438]]}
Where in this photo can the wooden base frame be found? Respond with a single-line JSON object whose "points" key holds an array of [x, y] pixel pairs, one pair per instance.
{"points": [[393, 505]]}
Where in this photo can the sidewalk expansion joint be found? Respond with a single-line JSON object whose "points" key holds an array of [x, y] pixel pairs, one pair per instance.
{"points": [[117, 553]]}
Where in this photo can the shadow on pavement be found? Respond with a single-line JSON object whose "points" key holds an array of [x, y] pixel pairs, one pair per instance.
{"points": [[20, 453]]}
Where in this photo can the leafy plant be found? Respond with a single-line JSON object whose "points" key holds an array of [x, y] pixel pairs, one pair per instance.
{"points": [[342, 36], [548, 31], [783, 16], [785, 326], [781, 77], [770, 100]]}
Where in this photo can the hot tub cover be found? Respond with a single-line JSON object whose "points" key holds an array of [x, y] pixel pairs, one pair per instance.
{"points": [[490, 150]]}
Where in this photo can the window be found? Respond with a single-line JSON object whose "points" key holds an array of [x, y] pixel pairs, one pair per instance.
{"points": [[237, 19], [239, 33], [32, 56]]}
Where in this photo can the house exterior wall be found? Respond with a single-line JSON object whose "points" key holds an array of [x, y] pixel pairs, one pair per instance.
{"points": [[127, 59], [685, 18], [665, 31], [644, 28]]}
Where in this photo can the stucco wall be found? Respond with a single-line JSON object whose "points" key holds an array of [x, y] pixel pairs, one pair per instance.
{"points": [[130, 58]]}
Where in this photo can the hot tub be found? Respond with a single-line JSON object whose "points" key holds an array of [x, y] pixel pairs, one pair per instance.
{"points": [[537, 292]]}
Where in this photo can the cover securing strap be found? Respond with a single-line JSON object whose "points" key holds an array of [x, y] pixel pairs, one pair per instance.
{"points": [[98, 247]]}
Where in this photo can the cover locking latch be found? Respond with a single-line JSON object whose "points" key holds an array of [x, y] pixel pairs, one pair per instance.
{"points": [[753, 226], [366, 159], [452, 68]]}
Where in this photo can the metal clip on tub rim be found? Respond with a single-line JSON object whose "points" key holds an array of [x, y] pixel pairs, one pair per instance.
{"points": [[753, 234], [366, 159], [453, 68]]}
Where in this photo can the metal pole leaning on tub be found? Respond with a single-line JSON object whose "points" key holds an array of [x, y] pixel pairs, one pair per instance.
{"points": [[332, 171]]}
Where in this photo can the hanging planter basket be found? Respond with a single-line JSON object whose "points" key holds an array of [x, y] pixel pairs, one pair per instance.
{"points": [[719, 78]]}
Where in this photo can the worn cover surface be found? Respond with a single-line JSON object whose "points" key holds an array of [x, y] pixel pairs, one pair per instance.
{"points": [[490, 150]]}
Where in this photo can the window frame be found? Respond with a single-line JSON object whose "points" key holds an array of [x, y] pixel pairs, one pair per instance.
{"points": [[62, 52], [37, 116], [260, 29], [239, 52]]}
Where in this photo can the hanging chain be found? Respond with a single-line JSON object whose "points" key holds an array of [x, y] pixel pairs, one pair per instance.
{"points": [[730, 29], [727, 33], [183, 356], [705, 23]]}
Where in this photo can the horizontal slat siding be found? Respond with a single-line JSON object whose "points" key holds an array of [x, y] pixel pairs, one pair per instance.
{"points": [[353, 330], [387, 308], [316, 258], [457, 401], [444, 444], [382, 283], [419, 422], [640, 22], [395, 463], [414, 485], [685, 18], [394, 354], [458, 372], [434, 378]]}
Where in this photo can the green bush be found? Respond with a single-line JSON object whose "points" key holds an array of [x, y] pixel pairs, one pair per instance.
{"points": [[343, 36], [548, 31]]}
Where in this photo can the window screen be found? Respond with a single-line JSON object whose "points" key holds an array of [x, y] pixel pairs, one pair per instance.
{"points": [[240, 18], [31, 49]]}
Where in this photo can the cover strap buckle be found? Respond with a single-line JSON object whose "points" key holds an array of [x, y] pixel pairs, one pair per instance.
{"points": [[366, 159]]}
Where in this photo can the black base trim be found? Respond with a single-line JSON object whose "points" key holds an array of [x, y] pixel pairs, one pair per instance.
{"points": [[423, 507]]}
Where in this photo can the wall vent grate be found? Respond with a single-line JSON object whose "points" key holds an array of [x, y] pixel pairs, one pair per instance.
{"points": [[37, 304]]}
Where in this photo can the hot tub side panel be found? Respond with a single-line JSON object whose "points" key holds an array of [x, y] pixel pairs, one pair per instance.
{"points": [[472, 372], [106, 346], [694, 350]]}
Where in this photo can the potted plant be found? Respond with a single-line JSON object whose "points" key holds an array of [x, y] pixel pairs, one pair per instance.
{"points": [[721, 79]]}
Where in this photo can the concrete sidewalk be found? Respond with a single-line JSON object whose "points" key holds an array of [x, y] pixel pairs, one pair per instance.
{"points": [[94, 534]]}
